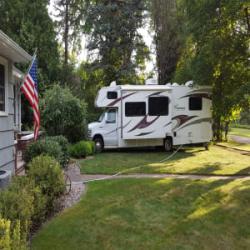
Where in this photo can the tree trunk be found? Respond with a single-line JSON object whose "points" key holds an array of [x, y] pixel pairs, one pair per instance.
{"points": [[166, 38], [66, 34]]}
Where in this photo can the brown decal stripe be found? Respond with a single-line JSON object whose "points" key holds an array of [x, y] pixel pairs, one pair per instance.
{"points": [[145, 133], [119, 99], [167, 124], [181, 119], [204, 95], [143, 123], [118, 128], [207, 119]]}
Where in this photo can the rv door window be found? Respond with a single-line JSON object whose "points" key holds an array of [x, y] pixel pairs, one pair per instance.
{"points": [[111, 94], [195, 103], [135, 109], [158, 106]]}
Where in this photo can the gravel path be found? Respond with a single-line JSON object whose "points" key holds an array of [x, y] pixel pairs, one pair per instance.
{"points": [[240, 139], [77, 186]]}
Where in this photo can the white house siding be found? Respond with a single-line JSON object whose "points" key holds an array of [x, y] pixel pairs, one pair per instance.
{"points": [[7, 149]]}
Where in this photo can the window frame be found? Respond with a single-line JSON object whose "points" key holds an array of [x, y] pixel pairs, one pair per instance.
{"points": [[154, 97], [4, 62], [195, 97], [145, 107]]}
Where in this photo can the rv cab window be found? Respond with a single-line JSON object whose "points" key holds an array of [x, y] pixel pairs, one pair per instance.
{"points": [[135, 109], [195, 103], [158, 106], [111, 94], [111, 116]]}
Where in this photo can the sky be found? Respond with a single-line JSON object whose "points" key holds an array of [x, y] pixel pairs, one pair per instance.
{"points": [[145, 32]]}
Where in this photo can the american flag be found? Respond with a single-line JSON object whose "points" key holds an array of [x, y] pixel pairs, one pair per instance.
{"points": [[30, 90]]}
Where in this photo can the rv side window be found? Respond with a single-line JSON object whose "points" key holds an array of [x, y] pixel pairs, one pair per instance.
{"points": [[111, 94], [158, 106], [195, 103], [135, 108]]}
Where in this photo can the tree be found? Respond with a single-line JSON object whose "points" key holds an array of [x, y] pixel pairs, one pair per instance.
{"points": [[116, 45], [28, 23], [71, 18], [167, 41], [217, 54]]}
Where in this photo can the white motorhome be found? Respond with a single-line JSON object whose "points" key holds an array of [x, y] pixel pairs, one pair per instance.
{"points": [[152, 115]]}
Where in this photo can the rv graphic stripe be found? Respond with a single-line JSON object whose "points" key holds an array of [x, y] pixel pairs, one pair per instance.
{"points": [[119, 99], [144, 123], [207, 119], [181, 119]]}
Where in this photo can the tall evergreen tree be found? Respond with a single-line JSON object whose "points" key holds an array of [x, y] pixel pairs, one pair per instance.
{"points": [[116, 45], [28, 23], [165, 24], [70, 15]]}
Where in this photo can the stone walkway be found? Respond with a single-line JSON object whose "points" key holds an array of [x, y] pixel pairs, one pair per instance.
{"points": [[89, 178], [240, 139]]}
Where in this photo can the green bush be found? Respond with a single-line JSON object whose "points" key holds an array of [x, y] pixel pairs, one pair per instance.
{"points": [[11, 236], [44, 147], [81, 149], [64, 143], [48, 176], [63, 114], [17, 202]]}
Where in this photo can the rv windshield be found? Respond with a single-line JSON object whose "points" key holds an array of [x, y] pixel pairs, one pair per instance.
{"points": [[101, 117]]}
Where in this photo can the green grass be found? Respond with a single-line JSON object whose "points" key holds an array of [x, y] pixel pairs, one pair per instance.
{"points": [[233, 144], [194, 160], [240, 131], [153, 214]]}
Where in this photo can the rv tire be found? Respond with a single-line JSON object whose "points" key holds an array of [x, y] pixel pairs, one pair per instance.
{"points": [[99, 145], [168, 144]]}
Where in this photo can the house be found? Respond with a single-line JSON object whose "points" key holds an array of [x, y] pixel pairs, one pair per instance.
{"points": [[10, 98]]}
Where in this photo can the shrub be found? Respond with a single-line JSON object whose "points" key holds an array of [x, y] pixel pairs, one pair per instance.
{"points": [[64, 143], [81, 149], [12, 237], [17, 202], [44, 147], [63, 114], [47, 174]]}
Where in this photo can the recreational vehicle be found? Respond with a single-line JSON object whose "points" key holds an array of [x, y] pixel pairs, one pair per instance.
{"points": [[152, 115]]}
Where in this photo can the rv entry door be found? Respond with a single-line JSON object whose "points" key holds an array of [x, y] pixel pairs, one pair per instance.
{"points": [[110, 135]]}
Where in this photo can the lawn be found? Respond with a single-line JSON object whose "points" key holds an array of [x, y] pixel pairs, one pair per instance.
{"points": [[153, 214], [191, 160], [240, 131]]}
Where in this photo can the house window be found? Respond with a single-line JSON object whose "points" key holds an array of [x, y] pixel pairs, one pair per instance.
{"points": [[135, 109], [158, 106], [2, 88], [111, 94], [195, 103]]}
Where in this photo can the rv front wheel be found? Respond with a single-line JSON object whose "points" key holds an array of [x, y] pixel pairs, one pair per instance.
{"points": [[168, 145], [99, 144]]}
